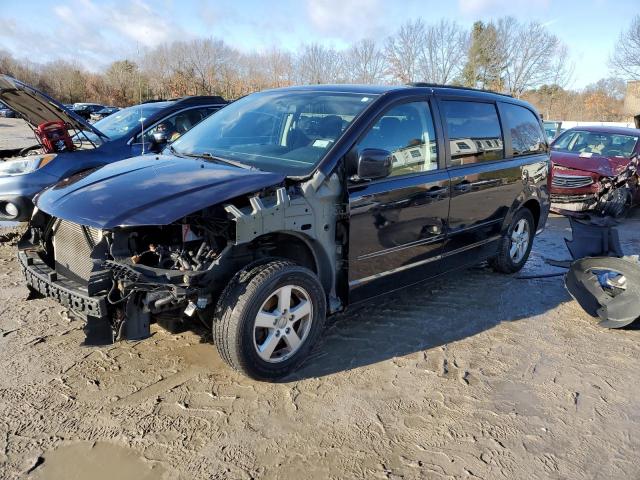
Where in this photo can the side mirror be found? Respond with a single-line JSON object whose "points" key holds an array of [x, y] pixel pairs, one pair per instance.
{"points": [[374, 163]]}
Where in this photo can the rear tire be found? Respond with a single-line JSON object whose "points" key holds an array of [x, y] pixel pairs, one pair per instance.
{"points": [[515, 245], [268, 318]]}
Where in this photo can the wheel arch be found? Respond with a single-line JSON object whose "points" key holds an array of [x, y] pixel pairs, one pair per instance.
{"points": [[531, 203], [534, 207], [301, 249]]}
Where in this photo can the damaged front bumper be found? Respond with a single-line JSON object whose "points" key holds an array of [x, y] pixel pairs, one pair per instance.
{"points": [[573, 203], [69, 293]]}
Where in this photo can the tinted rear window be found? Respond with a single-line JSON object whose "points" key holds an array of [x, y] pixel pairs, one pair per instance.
{"points": [[526, 135], [474, 132]]}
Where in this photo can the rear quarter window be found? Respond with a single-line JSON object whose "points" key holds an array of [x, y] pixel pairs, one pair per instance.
{"points": [[474, 132], [527, 137]]}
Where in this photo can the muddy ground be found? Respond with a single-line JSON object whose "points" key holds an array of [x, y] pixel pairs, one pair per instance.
{"points": [[475, 375]]}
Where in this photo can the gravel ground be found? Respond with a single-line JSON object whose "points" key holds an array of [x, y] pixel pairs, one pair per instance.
{"points": [[15, 133], [473, 375]]}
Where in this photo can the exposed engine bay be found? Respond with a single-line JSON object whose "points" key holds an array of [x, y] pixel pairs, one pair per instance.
{"points": [[139, 271], [133, 276]]}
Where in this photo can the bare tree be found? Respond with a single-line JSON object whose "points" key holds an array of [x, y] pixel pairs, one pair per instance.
{"points": [[319, 64], [206, 59], [444, 52], [364, 62], [66, 80], [279, 67], [403, 50], [626, 56], [530, 51], [560, 79]]}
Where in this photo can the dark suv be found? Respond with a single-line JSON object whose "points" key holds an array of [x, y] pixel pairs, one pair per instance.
{"points": [[287, 206]]}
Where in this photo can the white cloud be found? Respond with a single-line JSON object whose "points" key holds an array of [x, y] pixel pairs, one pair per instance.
{"points": [[346, 19], [90, 32], [499, 7]]}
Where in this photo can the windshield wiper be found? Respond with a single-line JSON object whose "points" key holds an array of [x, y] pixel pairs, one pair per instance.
{"points": [[227, 161]]}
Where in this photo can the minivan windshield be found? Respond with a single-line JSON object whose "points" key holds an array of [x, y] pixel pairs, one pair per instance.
{"points": [[286, 132], [587, 144], [126, 120]]}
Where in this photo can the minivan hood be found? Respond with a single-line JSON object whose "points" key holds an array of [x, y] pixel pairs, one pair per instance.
{"points": [[149, 190], [36, 107], [605, 166]]}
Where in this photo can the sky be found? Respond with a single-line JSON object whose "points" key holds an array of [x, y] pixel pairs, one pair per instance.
{"points": [[95, 32]]}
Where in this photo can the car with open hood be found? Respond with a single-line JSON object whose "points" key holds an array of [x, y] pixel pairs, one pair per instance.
{"points": [[595, 169], [68, 144], [285, 207]]}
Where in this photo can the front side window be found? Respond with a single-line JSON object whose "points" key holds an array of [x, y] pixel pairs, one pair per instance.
{"points": [[124, 121], [474, 132], [526, 135], [174, 126], [287, 132], [406, 131], [587, 144]]}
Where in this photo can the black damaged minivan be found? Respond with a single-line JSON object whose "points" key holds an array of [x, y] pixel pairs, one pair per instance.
{"points": [[288, 205]]}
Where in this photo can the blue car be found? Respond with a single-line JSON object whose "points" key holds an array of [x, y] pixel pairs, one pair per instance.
{"points": [[68, 144], [6, 112]]}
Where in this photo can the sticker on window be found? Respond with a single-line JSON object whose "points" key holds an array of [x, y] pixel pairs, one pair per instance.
{"points": [[321, 143]]}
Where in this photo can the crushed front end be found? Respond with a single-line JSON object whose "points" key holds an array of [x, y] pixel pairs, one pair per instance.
{"points": [[574, 190], [120, 280]]}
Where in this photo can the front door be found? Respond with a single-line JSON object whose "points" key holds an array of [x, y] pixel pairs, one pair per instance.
{"points": [[399, 222]]}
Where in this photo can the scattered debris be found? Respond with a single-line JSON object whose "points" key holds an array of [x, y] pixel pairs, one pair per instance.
{"points": [[608, 288]]}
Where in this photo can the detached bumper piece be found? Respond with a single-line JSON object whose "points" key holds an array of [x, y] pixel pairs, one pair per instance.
{"points": [[66, 291], [606, 288]]}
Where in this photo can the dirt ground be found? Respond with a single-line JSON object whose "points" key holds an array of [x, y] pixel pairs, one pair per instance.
{"points": [[15, 133], [473, 375]]}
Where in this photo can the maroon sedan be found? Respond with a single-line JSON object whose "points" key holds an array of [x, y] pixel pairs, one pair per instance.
{"points": [[595, 169]]}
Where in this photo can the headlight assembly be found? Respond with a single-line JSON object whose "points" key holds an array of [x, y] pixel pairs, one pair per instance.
{"points": [[25, 165]]}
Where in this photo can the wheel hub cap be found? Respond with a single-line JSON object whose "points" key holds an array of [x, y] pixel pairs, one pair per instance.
{"points": [[282, 323], [519, 241]]}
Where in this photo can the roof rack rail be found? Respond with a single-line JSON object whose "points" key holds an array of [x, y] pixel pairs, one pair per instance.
{"points": [[438, 85], [201, 98]]}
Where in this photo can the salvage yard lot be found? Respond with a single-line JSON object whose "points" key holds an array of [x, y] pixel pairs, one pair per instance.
{"points": [[475, 375]]}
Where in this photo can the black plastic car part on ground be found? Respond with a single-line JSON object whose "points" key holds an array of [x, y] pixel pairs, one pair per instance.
{"points": [[607, 288]]}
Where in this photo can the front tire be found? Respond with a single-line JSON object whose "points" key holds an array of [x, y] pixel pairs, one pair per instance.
{"points": [[268, 318], [514, 247]]}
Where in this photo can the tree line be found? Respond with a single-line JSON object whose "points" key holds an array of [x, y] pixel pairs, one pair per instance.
{"points": [[523, 59]]}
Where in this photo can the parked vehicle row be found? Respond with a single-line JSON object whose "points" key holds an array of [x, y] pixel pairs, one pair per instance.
{"points": [[68, 144], [287, 206]]}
